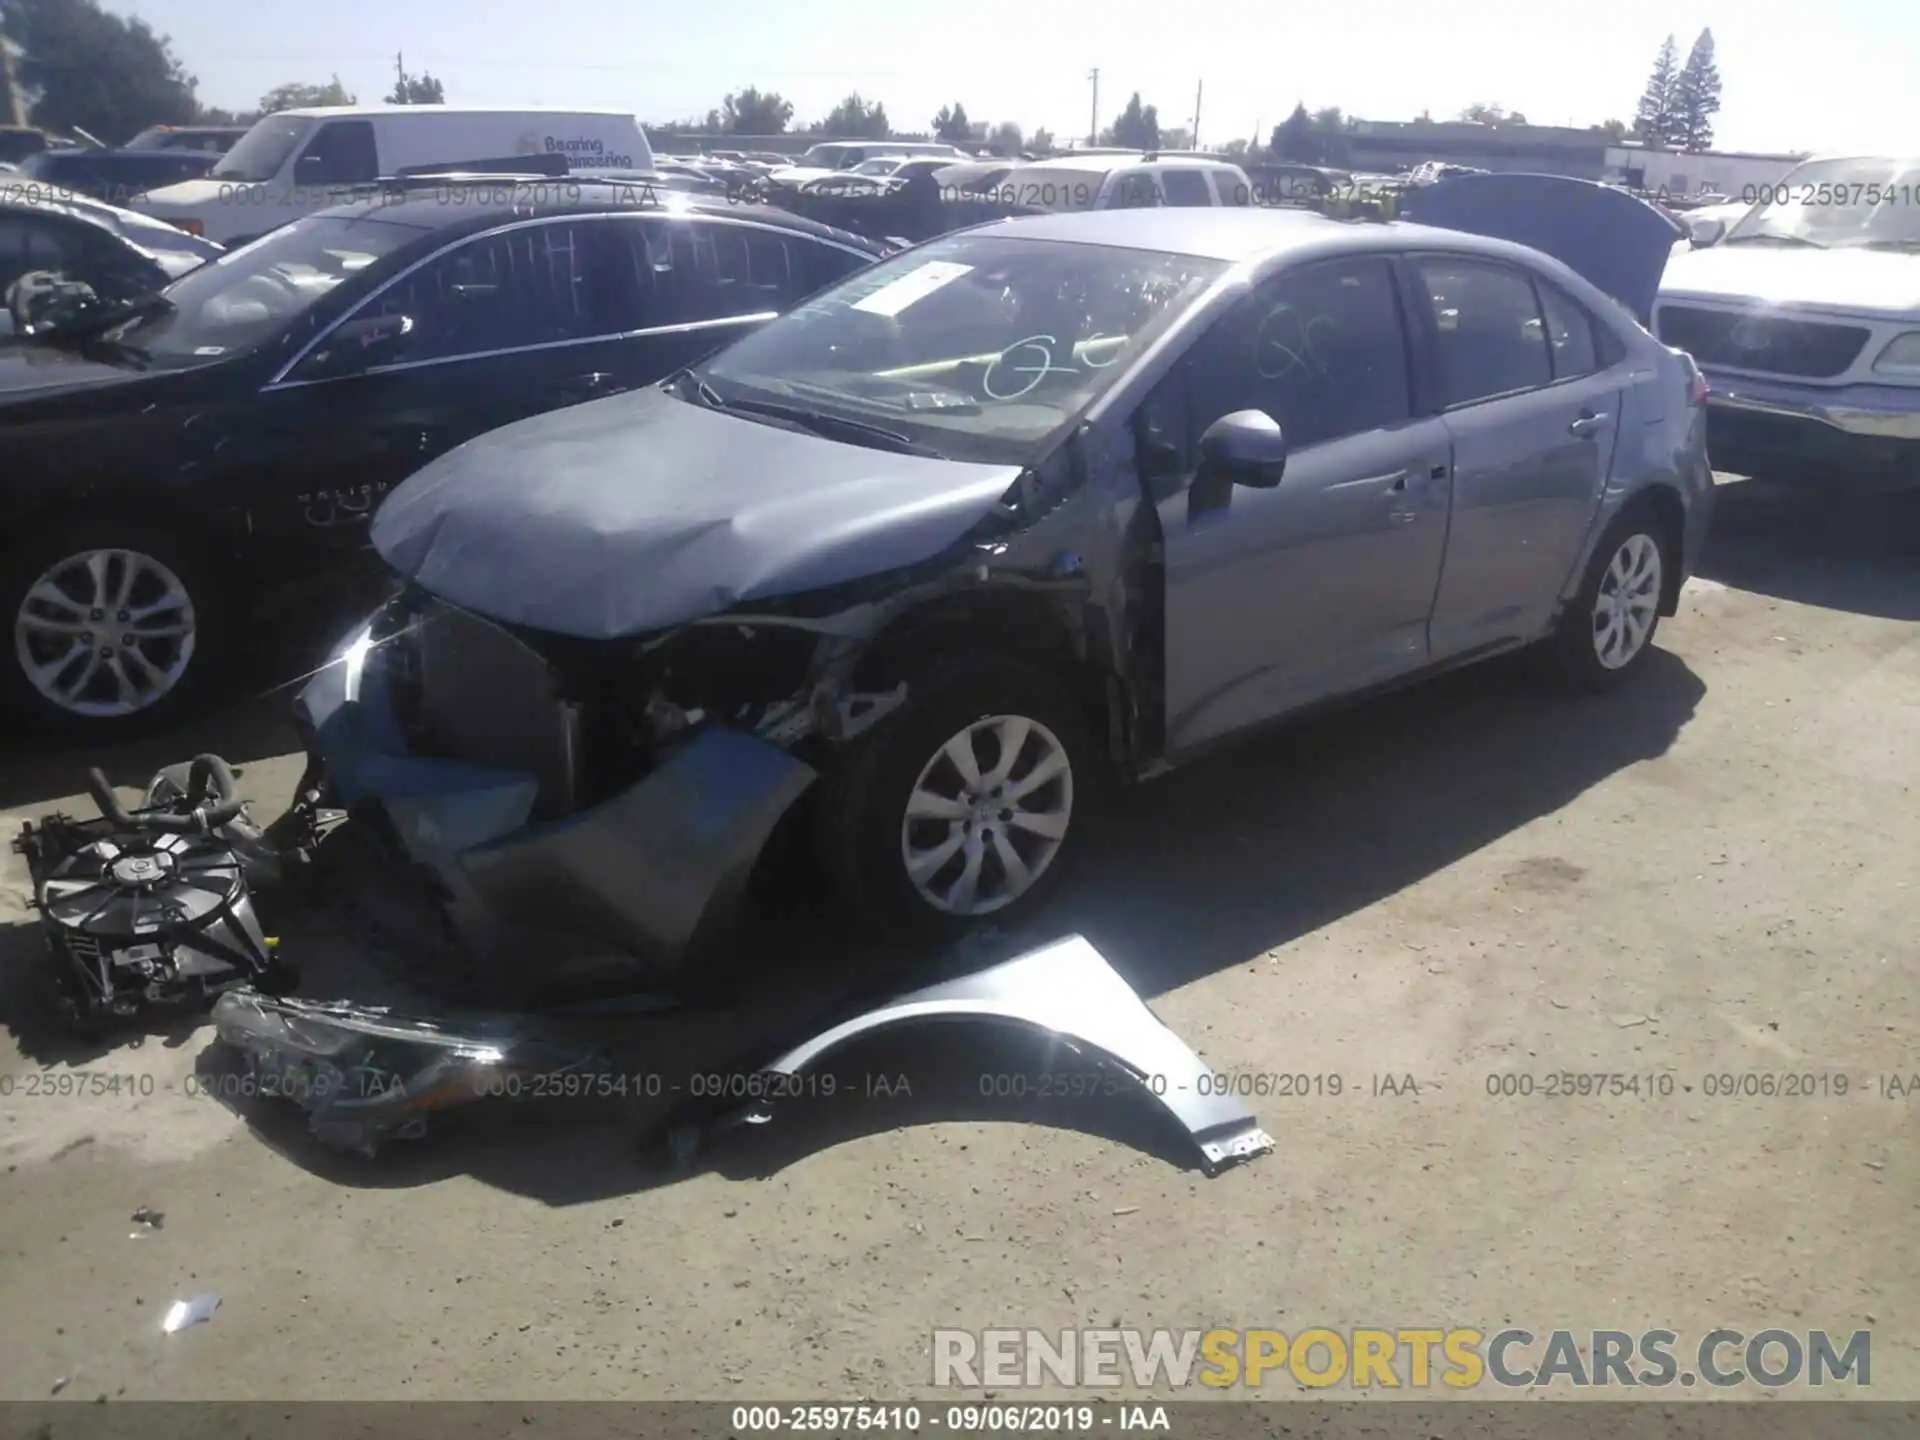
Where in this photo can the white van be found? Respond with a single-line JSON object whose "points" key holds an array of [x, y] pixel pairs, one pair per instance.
{"points": [[298, 161]]}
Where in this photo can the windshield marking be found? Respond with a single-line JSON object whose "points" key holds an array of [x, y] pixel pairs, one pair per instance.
{"points": [[889, 300]]}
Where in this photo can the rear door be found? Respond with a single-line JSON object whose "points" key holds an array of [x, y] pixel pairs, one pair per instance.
{"points": [[1532, 405], [507, 324], [1323, 584]]}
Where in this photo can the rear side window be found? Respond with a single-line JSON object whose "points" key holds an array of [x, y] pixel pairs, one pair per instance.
{"points": [[536, 285], [29, 243], [1570, 335], [1185, 187], [692, 270], [1490, 335], [341, 152]]}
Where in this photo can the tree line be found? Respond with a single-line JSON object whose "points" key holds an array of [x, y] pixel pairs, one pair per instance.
{"points": [[83, 68]]}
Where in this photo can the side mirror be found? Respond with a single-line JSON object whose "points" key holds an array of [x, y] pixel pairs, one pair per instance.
{"points": [[1706, 231], [1245, 448], [359, 345]]}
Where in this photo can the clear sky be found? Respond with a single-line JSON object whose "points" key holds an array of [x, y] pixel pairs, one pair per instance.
{"points": [[1824, 76]]}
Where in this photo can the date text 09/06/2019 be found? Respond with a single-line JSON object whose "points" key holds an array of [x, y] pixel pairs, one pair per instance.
{"points": [[1043, 1419]]}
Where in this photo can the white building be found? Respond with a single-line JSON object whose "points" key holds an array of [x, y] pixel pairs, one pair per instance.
{"points": [[1731, 173]]}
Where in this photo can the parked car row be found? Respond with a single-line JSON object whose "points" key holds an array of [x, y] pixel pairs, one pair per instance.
{"points": [[696, 505]]}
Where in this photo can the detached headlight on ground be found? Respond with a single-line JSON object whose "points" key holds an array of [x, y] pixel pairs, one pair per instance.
{"points": [[1901, 357]]}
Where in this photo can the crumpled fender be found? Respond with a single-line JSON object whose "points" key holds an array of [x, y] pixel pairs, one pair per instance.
{"points": [[1067, 990]]}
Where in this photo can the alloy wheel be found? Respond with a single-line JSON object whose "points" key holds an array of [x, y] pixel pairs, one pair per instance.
{"points": [[987, 815], [1628, 600], [105, 633]]}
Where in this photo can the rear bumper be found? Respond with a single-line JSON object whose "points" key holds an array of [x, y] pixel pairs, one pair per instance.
{"points": [[1757, 425], [654, 871]]}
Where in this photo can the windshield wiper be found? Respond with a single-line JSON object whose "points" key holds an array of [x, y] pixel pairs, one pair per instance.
{"points": [[1775, 237], [1887, 243], [704, 392], [837, 427]]}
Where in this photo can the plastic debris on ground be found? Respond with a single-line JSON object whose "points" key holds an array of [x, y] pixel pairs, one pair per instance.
{"points": [[194, 1310]]}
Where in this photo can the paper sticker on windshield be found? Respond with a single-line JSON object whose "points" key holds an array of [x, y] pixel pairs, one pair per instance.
{"points": [[917, 284]]}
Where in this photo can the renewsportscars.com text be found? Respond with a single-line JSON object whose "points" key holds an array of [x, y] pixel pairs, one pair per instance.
{"points": [[1412, 1358]]}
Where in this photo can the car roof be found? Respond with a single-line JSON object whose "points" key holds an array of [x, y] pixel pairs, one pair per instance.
{"points": [[493, 200], [1084, 162], [1236, 233], [327, 112]]}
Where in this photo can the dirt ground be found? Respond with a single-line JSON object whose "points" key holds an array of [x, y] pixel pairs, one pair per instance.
{"points": [[1712, 873]]}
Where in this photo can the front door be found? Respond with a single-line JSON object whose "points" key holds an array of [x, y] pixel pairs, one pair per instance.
{"points": [[1324, 583], [505, 326], [1533, 414]]}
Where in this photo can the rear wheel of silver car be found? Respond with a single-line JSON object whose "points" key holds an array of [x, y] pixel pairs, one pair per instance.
{"points": [[112, 629], [1606, 634], [964, 807]]}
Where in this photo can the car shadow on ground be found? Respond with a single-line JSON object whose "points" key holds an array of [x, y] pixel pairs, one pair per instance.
{"points": [[1858, 552]]}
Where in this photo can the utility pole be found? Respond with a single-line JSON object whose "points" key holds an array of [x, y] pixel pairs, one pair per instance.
{"points": [[1093, 134], [1198, 86], [400, 77]]}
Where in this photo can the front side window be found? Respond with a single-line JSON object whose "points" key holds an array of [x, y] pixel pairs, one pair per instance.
{"points": [[262, 151], [534, 285], [1186, 187], [1321, 349], [340, 153], [250, 296], [1487, 321], [975, 346]]}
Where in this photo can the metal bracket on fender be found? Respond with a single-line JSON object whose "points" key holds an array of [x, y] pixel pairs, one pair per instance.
{"points": [[1067, 990]]}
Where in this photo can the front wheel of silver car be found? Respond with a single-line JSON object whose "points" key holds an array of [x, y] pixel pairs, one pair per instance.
{"points": [[111, 630], [965, 806], [1606, 634]]}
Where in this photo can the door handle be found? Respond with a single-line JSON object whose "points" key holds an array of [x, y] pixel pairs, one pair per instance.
{"points": [[1587, 425]]}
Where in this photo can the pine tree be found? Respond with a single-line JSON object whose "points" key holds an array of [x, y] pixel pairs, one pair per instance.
{"points": [[1696, 97], [1653, 116]]}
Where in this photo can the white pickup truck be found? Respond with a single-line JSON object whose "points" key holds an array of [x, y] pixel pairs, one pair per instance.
{"points": [[1804, 316]]}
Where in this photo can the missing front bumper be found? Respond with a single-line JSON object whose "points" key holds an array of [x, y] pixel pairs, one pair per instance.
{"points": [[656, 872]]}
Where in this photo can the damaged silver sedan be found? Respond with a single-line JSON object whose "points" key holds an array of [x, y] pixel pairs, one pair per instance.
{"points": [[933, 561]]}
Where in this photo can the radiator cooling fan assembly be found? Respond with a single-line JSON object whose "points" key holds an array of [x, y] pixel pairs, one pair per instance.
{"points": [[152, 909]]}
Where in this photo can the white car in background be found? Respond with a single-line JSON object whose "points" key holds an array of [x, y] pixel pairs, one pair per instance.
{"points": [[1804, 315]]}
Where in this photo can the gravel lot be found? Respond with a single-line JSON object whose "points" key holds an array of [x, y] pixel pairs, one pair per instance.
{"points": [[1712, 873]]}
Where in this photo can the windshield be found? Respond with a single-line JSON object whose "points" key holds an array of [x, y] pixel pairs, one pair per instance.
{"points": [[249, 295], [1873, 201], [828, 157], [886, 165], [259, 154], [979, 348]]}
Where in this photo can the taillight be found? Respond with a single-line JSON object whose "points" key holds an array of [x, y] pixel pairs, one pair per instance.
{"points": [[192, 227], [1696, 382]]}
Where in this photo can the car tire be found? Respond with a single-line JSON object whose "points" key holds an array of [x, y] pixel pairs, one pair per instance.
{"points": [[181, 640], [968, 706], [1606, 633]]}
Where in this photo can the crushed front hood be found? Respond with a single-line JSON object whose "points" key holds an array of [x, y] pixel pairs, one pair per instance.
{"points": [[641, 511]]}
